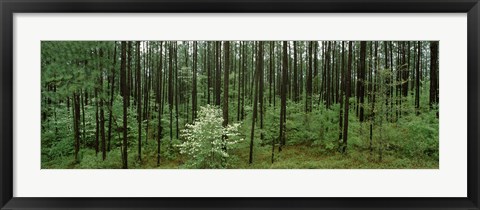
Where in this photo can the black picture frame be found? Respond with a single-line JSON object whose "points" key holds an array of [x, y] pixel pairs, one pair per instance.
{"points": [[10, 7]]}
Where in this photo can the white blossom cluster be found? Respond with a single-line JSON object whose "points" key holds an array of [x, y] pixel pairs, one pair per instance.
{"points": [[204, 141]]}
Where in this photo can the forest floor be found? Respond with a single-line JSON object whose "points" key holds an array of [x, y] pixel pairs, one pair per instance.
{"points": [[302, 156]]}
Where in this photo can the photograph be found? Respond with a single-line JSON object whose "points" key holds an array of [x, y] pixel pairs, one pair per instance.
{"points": [[240, 104]]}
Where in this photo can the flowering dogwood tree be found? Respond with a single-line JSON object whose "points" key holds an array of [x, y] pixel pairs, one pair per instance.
{"points": [[204, 141]]}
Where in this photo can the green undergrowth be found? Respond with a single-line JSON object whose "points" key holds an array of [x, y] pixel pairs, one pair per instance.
{"points": [[411, 142], [291, 157]]}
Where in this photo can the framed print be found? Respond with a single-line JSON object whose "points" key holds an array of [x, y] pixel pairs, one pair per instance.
{"points": [[239, 105]]}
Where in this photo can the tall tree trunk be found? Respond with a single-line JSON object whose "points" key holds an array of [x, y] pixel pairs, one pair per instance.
{"points": [[374, 83], [177, 93], [240, 82], [255, 107], [275, 79], [97, 122], [406, 67], [271, 59], [194, 85], [170, 87], [209, 69], [218, 73], [76, 104], [112, 90], [417, 79], [129, 73], [83, 119], [139, 101], [283, 94], [347, 97], [387, 80], [295, 73], [253, 71], [337, 75], [315, 68], [126, 93], [328, 76], [160, 102], [102, 112], [146, 87], [391, 81], [271, 74], [361, 78], [342, 92], [433, 73], [226, 50], [308, 100], [244, 86], [261, 87]]}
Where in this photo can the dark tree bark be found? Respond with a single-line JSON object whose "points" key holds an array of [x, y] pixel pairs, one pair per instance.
{"points": [[102, 112], [218, 79], [337, 76], [97, 122], [146, 87], [315, 88], [240, 83], [275, 79], [139, 101], [254, 48], [295, 73], [261, 86], [209, 69], [194, 85], [271, 59], [112, 90], [125, 90], [271, 74], [76, 105], [417, 79], [122, 82], [433, 73], [165, 78], [323, 84], [361, 78], [83, 118], [406, 67], [129, 74], [177, 93], [328, 76], [391, 81], [308, 100], [283, 94], [399, 76], [255, 107], [300, 72], [170, 87], [387, 80], [342, 92], [244, 63], [374, 83], [160, 102], [226, 50], [347, 96]]}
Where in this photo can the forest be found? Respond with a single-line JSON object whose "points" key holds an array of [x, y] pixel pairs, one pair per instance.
{"points": [[240, 104]]}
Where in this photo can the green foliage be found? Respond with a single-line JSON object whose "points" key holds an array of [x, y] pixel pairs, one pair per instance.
{"points": [[92, 160], [57, 136]]}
